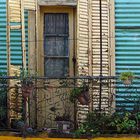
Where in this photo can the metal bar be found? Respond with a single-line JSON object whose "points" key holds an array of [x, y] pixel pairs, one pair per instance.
{"points": [[90, 54], [76, 77], [90, 37], [36, 58], [100, 93], [74, 72], [23, 36], [58, 57], [56, 35], [8, 55]]}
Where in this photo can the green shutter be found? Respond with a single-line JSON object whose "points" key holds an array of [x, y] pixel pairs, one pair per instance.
{"points": [[16, 53]]}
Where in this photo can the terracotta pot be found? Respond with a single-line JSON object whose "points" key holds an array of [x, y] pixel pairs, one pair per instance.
{"points": [[127, 82], [27, 89], [84, 98]]}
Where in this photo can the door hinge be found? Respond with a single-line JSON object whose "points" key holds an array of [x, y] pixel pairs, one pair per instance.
{"points": [[74, 60]]}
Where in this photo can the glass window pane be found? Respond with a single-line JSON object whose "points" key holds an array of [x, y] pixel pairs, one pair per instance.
{"points": [[50, 24], [56, 46], [56, 67], [56, 24], [62, 23]]}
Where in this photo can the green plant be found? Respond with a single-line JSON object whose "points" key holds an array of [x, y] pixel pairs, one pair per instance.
{"points": [[3, 99], [26, 78], [80, 132], [75, 93], [81, 91], [27, 84], [124, 123], [98, 123], [126, 76]]}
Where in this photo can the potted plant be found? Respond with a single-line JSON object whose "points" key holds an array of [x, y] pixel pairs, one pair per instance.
{"points": [[81, 94], [127, 77], [64, 123], [27, 85]]}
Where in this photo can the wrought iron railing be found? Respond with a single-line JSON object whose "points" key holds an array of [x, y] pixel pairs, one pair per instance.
{"points": [[48, 99]]}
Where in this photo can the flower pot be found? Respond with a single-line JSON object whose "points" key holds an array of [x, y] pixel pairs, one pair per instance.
{"points": [[27, 89], [64, 126], [127, 82], [84, 98]]}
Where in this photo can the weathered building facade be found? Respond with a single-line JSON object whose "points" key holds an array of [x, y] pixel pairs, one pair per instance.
{"points": [[62, 38], [74, 38]]}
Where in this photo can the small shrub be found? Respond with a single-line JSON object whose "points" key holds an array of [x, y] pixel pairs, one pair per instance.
{"points": [[126, 75], [98, 123]]}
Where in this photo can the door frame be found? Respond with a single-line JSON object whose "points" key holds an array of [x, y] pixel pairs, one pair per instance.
{"points": [[56, 9]]}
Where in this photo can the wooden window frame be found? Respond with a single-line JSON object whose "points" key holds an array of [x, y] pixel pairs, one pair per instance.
{"points": [[56, 9]]}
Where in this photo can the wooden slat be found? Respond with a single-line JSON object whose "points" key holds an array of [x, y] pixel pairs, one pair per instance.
{"points": [[57, 2], [30, 4], [15, 27], [15, 8], [15, 11]]}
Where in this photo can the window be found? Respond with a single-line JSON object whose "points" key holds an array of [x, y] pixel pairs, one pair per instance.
{"points": [[56, 33]]}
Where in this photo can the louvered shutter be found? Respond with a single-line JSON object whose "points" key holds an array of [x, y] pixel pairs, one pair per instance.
{"points": [[83, 35], [88, 50], [15, 8], [30, 4], [96, 36], [96, 50], [15, 11], [82, 49]]}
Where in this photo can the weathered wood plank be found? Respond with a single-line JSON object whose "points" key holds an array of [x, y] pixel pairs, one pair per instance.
{"points": [[30, 4], [57, 2]]}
